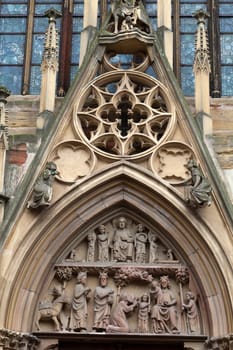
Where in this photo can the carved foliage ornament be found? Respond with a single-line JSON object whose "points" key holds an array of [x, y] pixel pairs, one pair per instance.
{"points": [[124, 114]]}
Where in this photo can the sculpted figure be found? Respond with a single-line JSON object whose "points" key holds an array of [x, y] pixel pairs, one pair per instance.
{"points": [[78, 320], [192, 313], [42, 192], [153, 250], [200, 192], [51, 310], [140, 244], [103, 243], [163, 313], [123, 242], [103, 300], [143, 313], [119, 321], [170, 255], [128, 14], [91, 239]]}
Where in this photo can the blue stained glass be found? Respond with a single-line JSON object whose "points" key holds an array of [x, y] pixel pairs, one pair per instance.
{"points": [[12, 49], [227, 81], [226, 48], [12, 25], [226, 9], [73, 72], [78, 9], [75, 48], [11, 77], [35, 80], [48, 1], [151, 9], [226, 25], [77, 24], [150, 71], [153, 22], [41, 9], [189, 9], [41, 24], [187, 81], [37, 48], [15, 9], [188, 25], [22, 1], [190, 1], [187, 48]]}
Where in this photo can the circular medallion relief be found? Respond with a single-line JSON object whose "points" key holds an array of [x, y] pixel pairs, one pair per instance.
{"points": [[170, 160], [73, 159], [124, 114]]}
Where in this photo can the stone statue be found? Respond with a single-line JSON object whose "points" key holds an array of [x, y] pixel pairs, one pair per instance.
{"points": [[170, 254], [143, 313], [128, 14], [163, 313], [153, 250], [192, 313], [51, 310], [200, 191], [103, 300], [123, 242], [140, 244], [103, 243], [119, 323], [78, 320], [91, 239], [42, 192]]}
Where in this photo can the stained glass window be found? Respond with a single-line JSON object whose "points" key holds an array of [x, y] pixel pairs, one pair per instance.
{"points": [[188, 27], [76, 33], [226, 42], [12, 43]]}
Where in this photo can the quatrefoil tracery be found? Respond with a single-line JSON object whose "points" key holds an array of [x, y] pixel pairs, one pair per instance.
{"points": [[124, 114]]}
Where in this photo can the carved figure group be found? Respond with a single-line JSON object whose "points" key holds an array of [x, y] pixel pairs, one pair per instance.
{"points": [[156, 308], [126, 243]]}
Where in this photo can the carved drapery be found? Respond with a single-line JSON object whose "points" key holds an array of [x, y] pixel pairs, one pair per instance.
{"points": [[121, 278]]}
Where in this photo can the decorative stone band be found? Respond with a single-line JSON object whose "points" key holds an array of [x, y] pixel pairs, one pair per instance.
{"points": [[11, 340], [220, 343]]}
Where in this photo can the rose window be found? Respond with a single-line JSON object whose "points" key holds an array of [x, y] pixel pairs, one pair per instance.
{"points": [[124, 114]]}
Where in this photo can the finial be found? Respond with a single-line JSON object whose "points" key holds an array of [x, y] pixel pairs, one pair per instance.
{"points": [[52, 14], [201, 15], [4, 93]]}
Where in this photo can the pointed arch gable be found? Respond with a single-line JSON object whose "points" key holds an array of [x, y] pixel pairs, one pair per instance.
{"points": [[121, 188]]}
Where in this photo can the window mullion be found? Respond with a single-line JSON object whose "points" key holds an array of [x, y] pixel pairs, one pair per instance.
{"points": [[65, 48], [176, 38], [214, 41], [28, 49]]}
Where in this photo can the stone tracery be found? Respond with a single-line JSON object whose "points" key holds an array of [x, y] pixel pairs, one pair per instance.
{"points": [[122, 115]]}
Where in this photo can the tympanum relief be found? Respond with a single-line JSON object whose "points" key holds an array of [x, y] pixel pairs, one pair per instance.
{"points": [[122, 278]]}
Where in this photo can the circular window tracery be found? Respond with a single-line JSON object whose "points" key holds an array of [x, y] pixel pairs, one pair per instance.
{"points": [[124, 114]]}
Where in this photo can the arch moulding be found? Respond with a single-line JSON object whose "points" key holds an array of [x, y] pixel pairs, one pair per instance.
{"points": [[122, 190]]}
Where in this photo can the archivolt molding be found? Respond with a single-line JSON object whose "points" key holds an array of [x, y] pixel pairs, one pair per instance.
{"points": [[66, 223]]}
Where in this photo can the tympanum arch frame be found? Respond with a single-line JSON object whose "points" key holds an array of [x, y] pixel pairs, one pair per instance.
{"points": [[98, 198]]}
